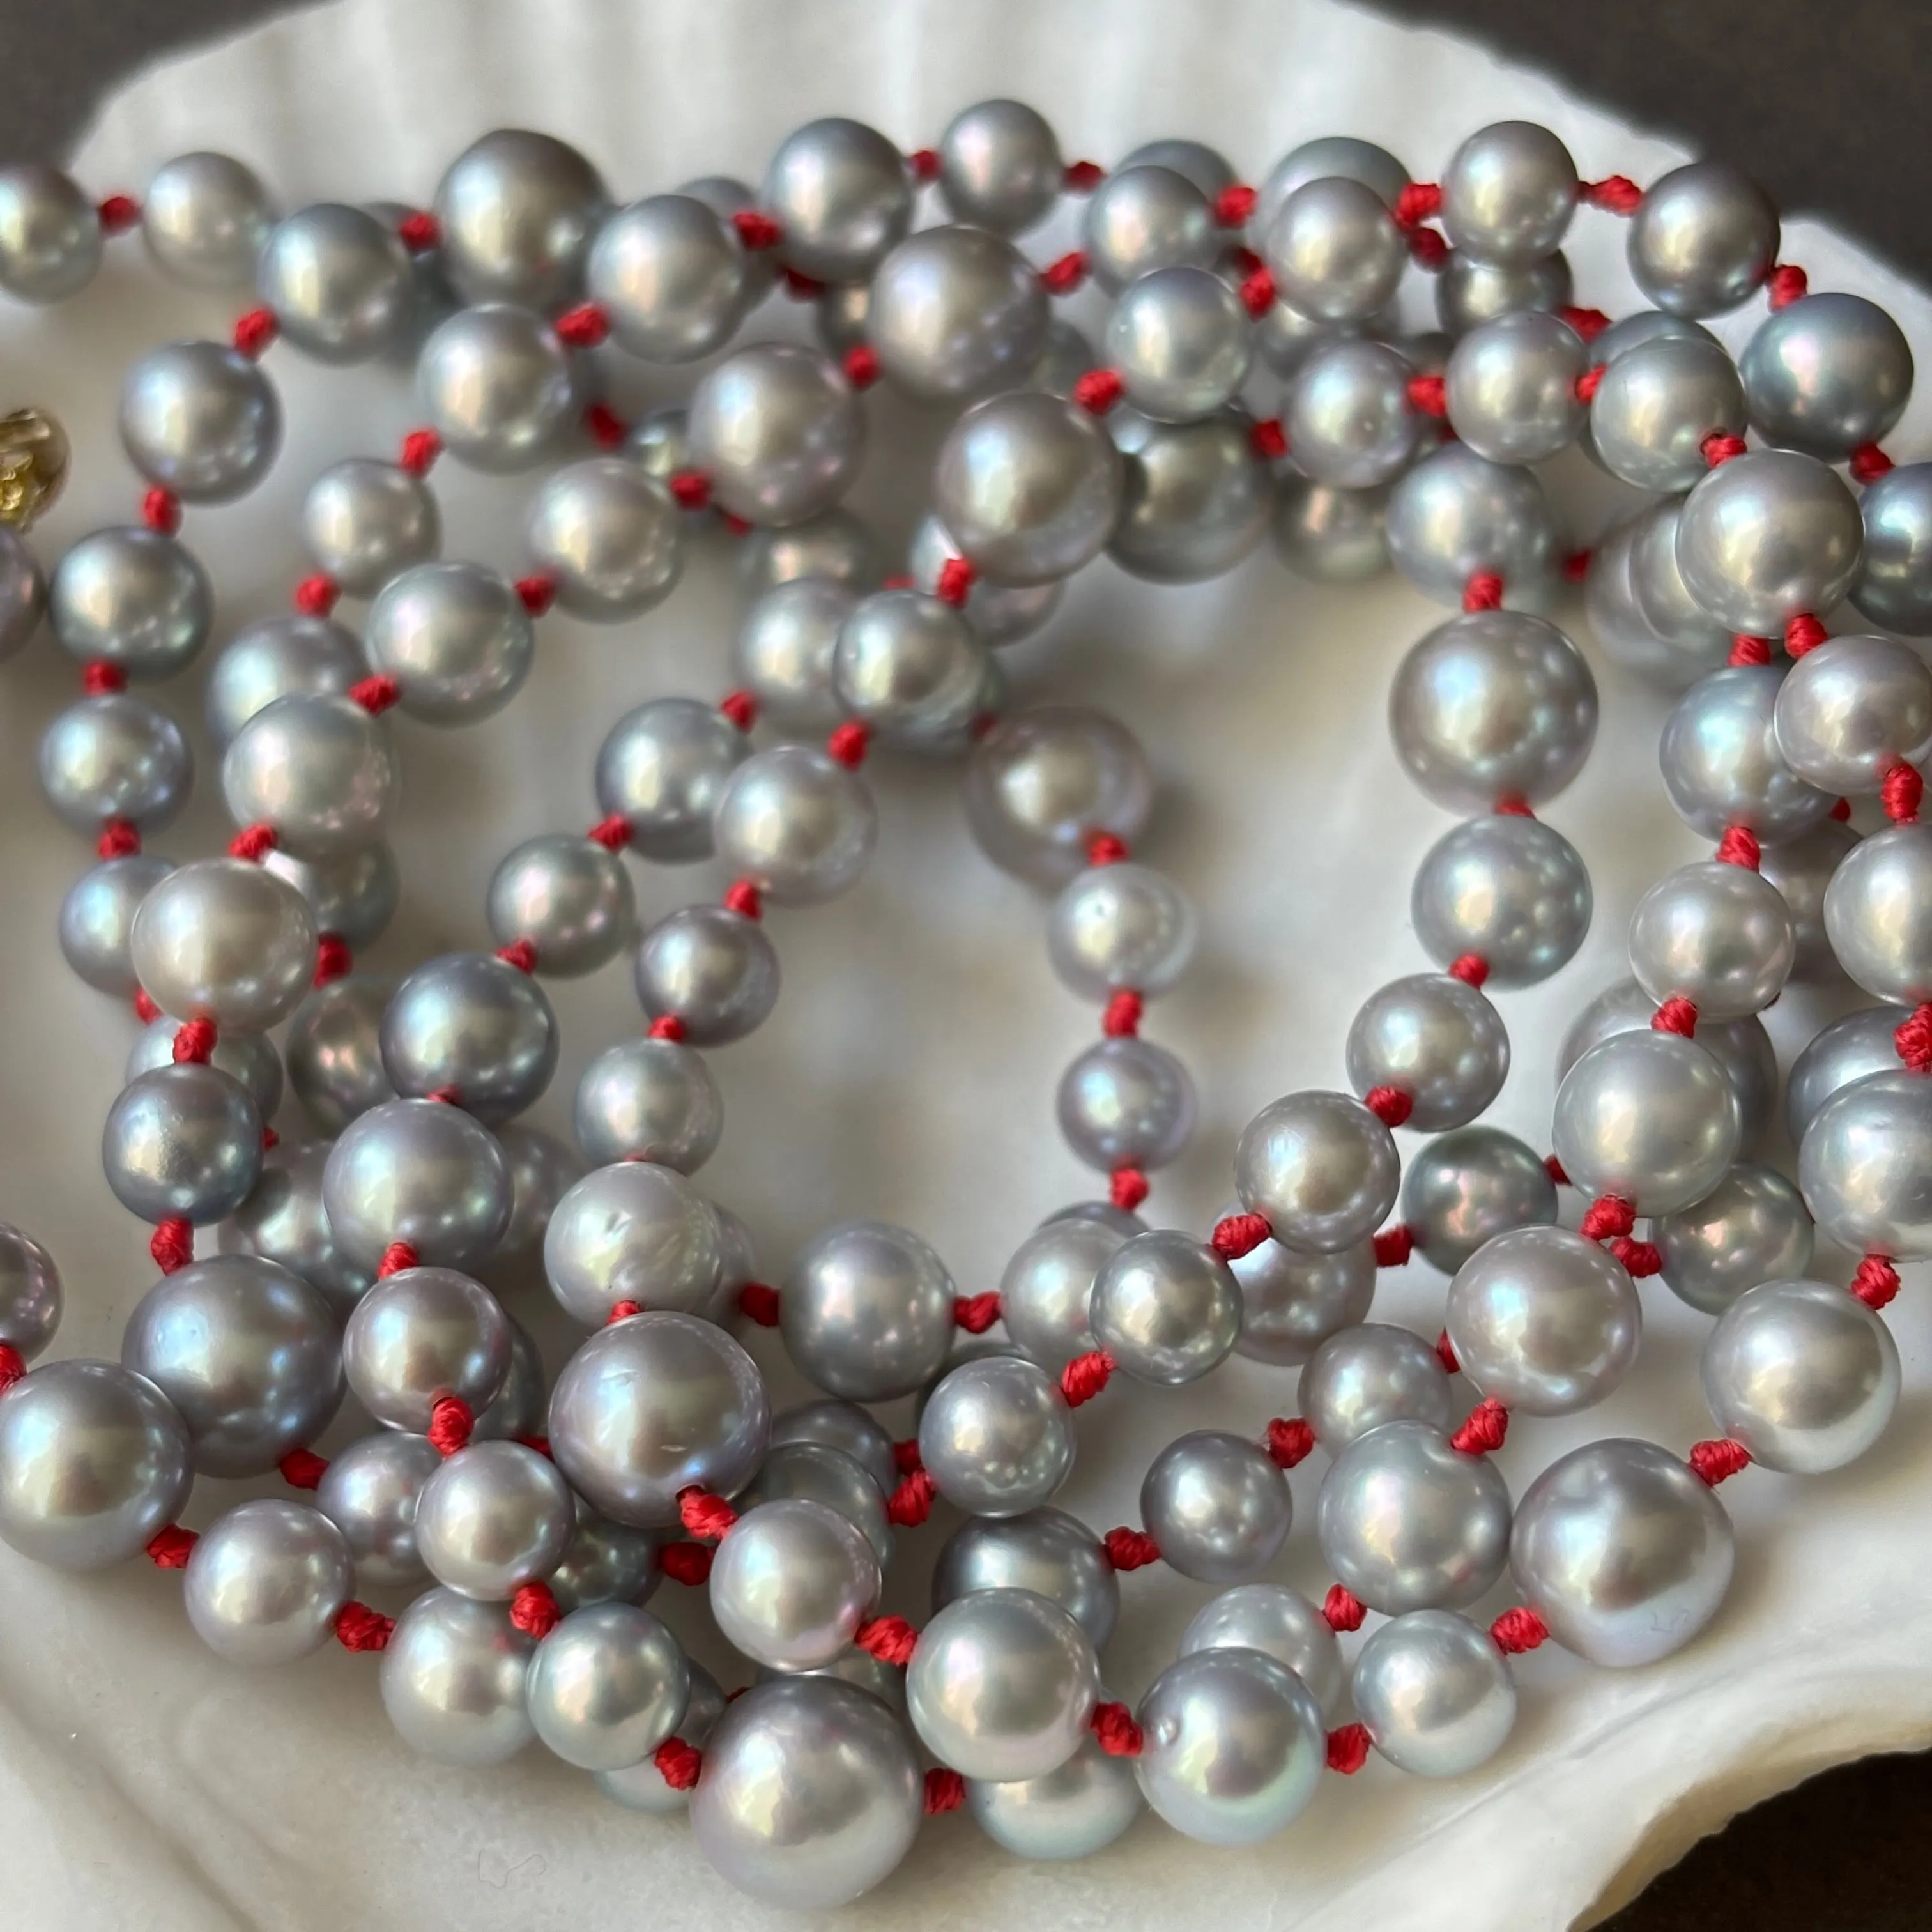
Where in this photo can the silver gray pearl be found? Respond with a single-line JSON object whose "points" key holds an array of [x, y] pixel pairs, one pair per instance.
{"points": [[1622, 1552], [1362, 1377], [866, 1311], [369, 1492], [1043, 782], [1893, 585], [542, 1170], [1166, 1308], [842, 317], [1826, 373], [997, 1436], [1703, 240], [1511, 891], [497, 386], [1234, 1746], [833, 544], [1329, 155], [1280, 1623], [1285, 338], [340, 283], [133, 597], [605, 1563], [1218, 1506], [911, 668], [318, 770], [1437, 1041], [1320, 1167], [834, 1424], [1469, 292], [811, 1794], [201, 419], [1511, 387], [1455, 516], [204, 220], [453, 1680], [94, 1460], [659, 443], [265, 1582], [1292, 1301], [455, 638], [97, 918], [1656, 404], [570, 897], [779, 431], [791, 1582], [1766, 536], [1048, 1285], [1029, 485], [783, 652], [1801, 869], [516, 1411], [115, 757], [1140, 219], [1847, 1050], [1617, 620], [1125, 1103], [1878, 915], [1804, 1376], [607, 1687], [1045, 1551], [1720, 761], [494, 1517], [1000, 166], [420, 1335], [1694, 644], [1179, 340], [1468, 1186], [1862, 1166], [248, 1057], [672, 276], [955, 312], [649, 1100], [516, 212], [1332, 536], [1716, 934], [1543, 1321], [842, 193], [1069, 1813], [796, 823], [471, 1028], [1347, 416], [420, 1172], [635, 1231], [1508, 193], [653, 1406], [609, 538], [283, 1221], [1645, 324], [277, 657], [1117, 926], [334, 1051], [1852, 709], [1436, 1694], [50, 235], [1409, 1523], [1334, 250], [1195, 496], [824, 1474], [30, 1293], [1209, 170], [363, 521], [662, 769], [713, 971], [182, 1142], [1002, 1685]]}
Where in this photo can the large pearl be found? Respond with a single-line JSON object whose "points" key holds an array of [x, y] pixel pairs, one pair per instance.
{"points": [[1752, 1227], [1279, 1623], [1144, 218], [1043, 782], [362, 521], [201, 419], [997, 1436], [711, 969], [1702, 239], [274, 658], [1511, 387], [1877, 913], [516, 211], [1347, 416], [496, 1516], [955, 312], [1000, 166], [796, 823], [370, 1492], [569, 896], [1851, 709], [1179, 339], [790, 1583], [182, 1142], [334, 1050], [1455, 515], [673, 277], [1071, 1813], [132, 597], [417, 1172], [636, 1231], [1195, 496], [784, 649], [1865, 1165], [1721, 764], [1217, 1506], [1508, 193], [867, 1311], [1046, 1551], [452, 1680], [1893, 585], [1292, 1301], [340, 283], [1716, 934], [1469, 1185], [1320, 1167], [115, 757], [607, 1687], [608, 537], [1436, 1040], [1826, 373], [497, 386], [265, 1582], [1166, 1307], [318, 770], [455, 639], [222, 940], [420, 1335], [1436, 1694], [1656, 404], [649, 1100], [911, 668], [471, 1029], [1334, 250], [779, 431], [96, 919], [1362, 1377]]}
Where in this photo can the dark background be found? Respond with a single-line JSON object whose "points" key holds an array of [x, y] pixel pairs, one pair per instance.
{"points": [[1822, 101]]}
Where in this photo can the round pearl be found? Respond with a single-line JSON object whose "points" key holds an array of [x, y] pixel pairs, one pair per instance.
{"points": [[1656, 404], [1622, 1552], [201, 419], [1511, 387], [842, 193], [1825, 373], [1616, 618], [607, 1687], [497, 386], [473, 1029], [712, 970], [1851, 709], [791, 1582], [97, 917], [455, 639], [1069, 1813], [339, 282], [796, 823], [419, 1335], [1455, 515], [1878, 916], [50, 235], [133, 598], [453, 1678], [182, 1142], [672, 276], [363, 521], [1508, 193], [1801, 869], [1804, 1376], [369, 1492], [641, 1787], [1702, 239], [867, 1311], [955, 312], [1847, 1050], [834, 1424], [1217, 1506], [778, 430], [1766, 536], [266, 1581], [662, 769], [652, 1406], [1470, 1185], [1194, 497], [1543, 1321], [811, 1794], [1179, 339], [318, 770], [1048, 1285], [783, 652], [608, 537], [278, 657], [420, 1172], [570, 897], [1045, 1551], [1861, 1165], [635, 1231], [1893, 585], [1002, 1685], [1117, 926], [1408, 1523], [1319, 160], [1334, 250], [999, 166], [1234, 1746], [1511, 891], [1721, 764], [997, 1437], [834, 545], [605, 1563], [820, 1474], [516, 212], [1469, 292], [1716, 934], [1649, 1117], [1166, 1308], [1436, 1040], [1279, 1623], [222, 940], [334, 1050], [1144, 218], [1043, 783], [494, 1516], [1209, 170], [1125, 1103], [1436, 1694], [1347, 415], [1320, 1167], [30, 1293], [1330, 536], [910, 667], [649, 1100], [1029, 486]]}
